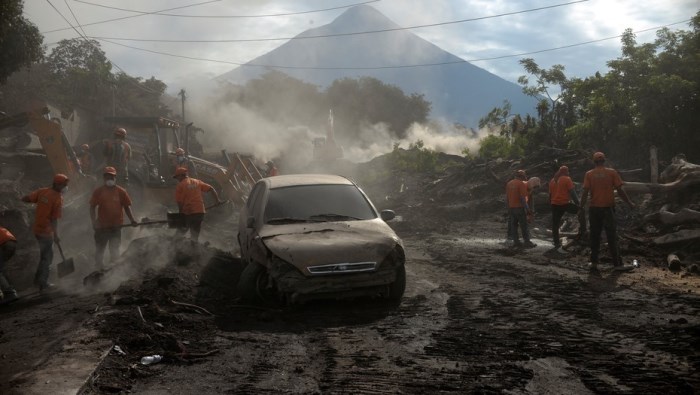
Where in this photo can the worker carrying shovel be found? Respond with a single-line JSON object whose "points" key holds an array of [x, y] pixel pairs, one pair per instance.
{"points": [[188, 195], [107, 206], [49, 206]]}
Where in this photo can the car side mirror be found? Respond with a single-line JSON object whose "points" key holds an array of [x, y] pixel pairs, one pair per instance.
{"points": [[387, 215], [250, 222]]}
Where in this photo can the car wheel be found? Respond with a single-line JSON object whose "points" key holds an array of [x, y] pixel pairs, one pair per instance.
{"points": [[397, 288], [255, 285]]}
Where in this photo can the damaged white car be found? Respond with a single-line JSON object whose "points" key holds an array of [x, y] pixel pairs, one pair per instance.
{"points": [[317, 236]]}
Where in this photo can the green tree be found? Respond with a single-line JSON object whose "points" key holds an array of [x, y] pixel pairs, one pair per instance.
{"points": [[368, 100], [498, 118], [20, 40], [82, 75], [554, 114], [651, 96]]}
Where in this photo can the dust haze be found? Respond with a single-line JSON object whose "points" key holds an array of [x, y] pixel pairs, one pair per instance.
{"points": [[227, 125]]}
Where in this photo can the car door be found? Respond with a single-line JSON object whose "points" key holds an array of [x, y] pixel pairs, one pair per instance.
{"points": [[252, 209]]}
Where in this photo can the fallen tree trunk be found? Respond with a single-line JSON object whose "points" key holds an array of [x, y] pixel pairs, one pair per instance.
{"points": [[685, 180], [667, 218], [677, 237], [673, 262], [678, 167]]}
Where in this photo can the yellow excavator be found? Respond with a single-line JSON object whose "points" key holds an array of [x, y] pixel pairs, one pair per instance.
{"points": [[55, 156], [153, 140]]}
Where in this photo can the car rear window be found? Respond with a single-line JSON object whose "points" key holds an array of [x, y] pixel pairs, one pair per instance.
{"points": [[310, 201]]}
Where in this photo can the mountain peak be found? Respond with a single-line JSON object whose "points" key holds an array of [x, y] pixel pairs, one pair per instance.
{"points": [[364, 17], [360, 18]]}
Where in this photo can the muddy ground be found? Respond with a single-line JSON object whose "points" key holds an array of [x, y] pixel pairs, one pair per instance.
{"points": [[477, 317]]}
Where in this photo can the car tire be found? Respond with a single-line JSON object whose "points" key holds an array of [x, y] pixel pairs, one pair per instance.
{"points": [[251, 286], [397, 288]]}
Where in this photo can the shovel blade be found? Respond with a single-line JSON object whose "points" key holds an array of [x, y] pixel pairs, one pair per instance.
{"points": [[65, 267]]}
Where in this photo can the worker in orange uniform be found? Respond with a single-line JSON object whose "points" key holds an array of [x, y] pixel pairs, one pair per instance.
{"points": [[188, 195], [518, 208], [108, 204], [117, 154], [49, 206], [8, 246], [561, 195], [86, 159], [602, 182]]}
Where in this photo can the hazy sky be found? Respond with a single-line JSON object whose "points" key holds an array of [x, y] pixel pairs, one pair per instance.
{"points": [[471, 40]]}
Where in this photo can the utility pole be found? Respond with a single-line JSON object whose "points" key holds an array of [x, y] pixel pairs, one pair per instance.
{"points": [[114, 101], [184, 97]]}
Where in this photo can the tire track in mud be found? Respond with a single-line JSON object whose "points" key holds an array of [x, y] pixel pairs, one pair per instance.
{"points": [[527, 313]]}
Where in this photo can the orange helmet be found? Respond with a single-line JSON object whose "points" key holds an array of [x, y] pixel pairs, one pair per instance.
{"points": [[598, 156], [180, 171], [60, 179], [110, 170], [179, 151], [120, 132], [85, 147]]}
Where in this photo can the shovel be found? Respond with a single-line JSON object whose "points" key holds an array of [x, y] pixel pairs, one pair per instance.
{"points": [[66, 266], [177, 220]]}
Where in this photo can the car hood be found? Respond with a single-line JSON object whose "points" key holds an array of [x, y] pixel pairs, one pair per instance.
{"points": [[310, 244]]}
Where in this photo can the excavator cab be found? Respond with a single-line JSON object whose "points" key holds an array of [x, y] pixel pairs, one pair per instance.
{"points": [[154, 141]]}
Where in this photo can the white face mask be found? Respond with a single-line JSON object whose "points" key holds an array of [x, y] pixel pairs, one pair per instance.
{"points": [[110, 183], [180, 159], [65, 189]]}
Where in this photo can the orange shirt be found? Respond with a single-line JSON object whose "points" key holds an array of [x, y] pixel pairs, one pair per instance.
{"points": [[49, 204], [515, 189], [110, 202], [560, 189], [602, 182], [5, 236], [188, 195]]}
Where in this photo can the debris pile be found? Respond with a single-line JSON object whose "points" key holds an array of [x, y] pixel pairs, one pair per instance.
{"points": [[165, 307], [665, 222]]}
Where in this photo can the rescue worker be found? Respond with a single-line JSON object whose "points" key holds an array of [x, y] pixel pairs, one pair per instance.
{"points": [[86, 159], [602, 182], [518, 209], [117, 154], [271, 169], [181, 160], [532, 183], [108, 204], [8, 246], [188, 195], [561, 195], [49, 206]]}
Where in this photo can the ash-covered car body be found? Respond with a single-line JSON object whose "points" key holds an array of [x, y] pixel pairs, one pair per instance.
{"points": [[317, 236]]}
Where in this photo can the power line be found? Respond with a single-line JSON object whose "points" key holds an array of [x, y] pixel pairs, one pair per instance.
{"points": [[75, 17], [344, 34], [230, 16], [386, 67], [160, 12], [132, 16]]}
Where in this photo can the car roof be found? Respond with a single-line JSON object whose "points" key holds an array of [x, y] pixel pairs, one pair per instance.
{"points": [[306, 179]]}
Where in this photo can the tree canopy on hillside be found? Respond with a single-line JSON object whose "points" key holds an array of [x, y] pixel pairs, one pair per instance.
{"points": [[650, 96], [356, 103]]}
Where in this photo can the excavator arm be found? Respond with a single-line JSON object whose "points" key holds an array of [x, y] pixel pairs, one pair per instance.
{"points": [[51, 137]]}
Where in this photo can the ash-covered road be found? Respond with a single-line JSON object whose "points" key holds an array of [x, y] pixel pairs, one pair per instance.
{"points": [[475, 319]]}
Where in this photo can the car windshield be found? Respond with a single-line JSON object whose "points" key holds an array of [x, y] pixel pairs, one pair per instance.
{"points": [[315, 203]]}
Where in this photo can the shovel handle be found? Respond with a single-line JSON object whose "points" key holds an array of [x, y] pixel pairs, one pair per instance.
{"points": [[217, 204], [60, 250]]}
